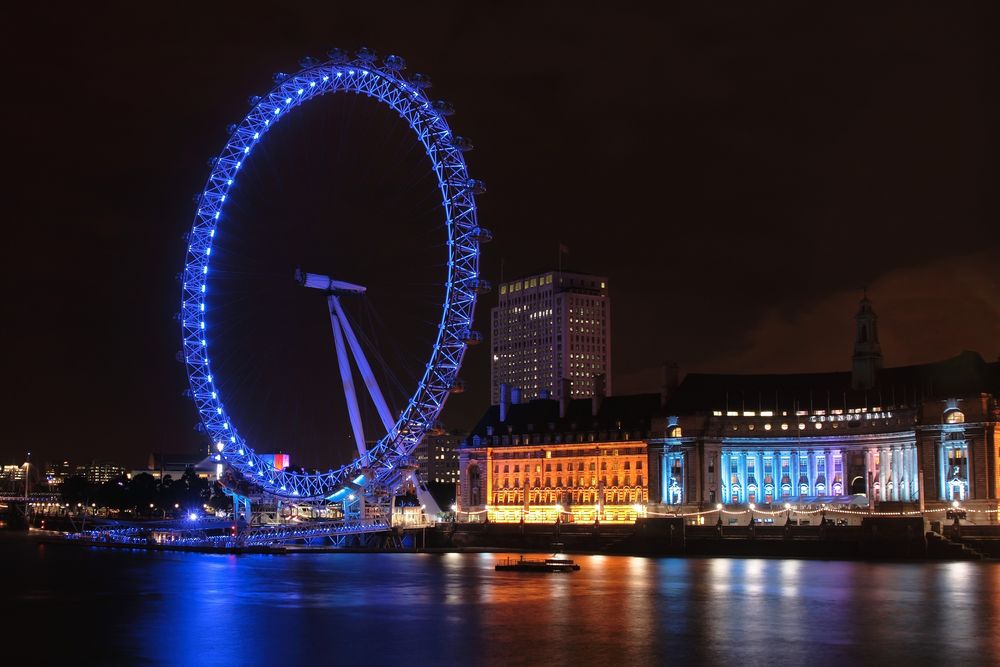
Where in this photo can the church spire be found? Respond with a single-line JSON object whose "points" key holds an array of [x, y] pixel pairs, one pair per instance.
{"points": [[867, 359]]}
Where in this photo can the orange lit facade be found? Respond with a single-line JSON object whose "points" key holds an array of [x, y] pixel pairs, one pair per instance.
{"points": [[567, 460], [575, 482]]}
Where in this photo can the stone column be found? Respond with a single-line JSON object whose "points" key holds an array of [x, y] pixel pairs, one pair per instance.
{"points": [[869, 470], [970, 471], [829, 473], [901, 483], [812, 472], [911, 476], [893, 475], [793, 472], [904, 473], [743, 476], [942, 472], [683, 459], [881, 472], [664, 474], [723, 484]]}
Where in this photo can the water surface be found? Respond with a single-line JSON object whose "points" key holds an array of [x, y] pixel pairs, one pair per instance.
{"points": [[96, 606]]}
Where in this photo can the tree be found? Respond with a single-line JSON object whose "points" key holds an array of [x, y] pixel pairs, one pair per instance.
{"points": [[76, 489], [141, 491]]}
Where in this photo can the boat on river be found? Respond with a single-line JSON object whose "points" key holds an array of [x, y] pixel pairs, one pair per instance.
{"points": [[523, 564]]}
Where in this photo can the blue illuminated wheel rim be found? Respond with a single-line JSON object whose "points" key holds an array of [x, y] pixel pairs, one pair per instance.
{"points": [[386, 84]]}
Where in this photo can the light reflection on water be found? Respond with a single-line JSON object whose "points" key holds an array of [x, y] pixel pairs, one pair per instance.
{"points": [[136, 607]]}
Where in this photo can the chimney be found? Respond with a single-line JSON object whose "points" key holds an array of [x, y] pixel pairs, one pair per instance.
{"points": [[598, 397], [515, 396], [565, 389], [670, 372], [504, 400]]}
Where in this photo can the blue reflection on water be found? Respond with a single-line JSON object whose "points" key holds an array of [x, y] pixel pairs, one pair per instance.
{"points": [[136, 607]]}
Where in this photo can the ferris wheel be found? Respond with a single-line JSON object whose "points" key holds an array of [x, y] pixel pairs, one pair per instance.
{"points": [[383, 463]]}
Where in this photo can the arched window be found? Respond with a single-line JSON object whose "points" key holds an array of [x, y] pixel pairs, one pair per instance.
{"points": [[954, 417], [674, 432]]}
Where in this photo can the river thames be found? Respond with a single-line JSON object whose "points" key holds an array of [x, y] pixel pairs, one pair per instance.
{"points": [[67, 604]]}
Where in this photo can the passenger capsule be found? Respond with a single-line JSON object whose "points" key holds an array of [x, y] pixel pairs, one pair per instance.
{"points": [[337, 56], [394, 63], [366, 55], [482, 234], [480, 286], [421, 81], [443, 107]]}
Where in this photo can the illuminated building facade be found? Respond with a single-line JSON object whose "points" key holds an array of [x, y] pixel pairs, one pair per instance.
{"points": [[99, 472], [13, 477], [548, 327], [864, 436], [57, 473], [174, 465], [567, 459], [437, 458]]}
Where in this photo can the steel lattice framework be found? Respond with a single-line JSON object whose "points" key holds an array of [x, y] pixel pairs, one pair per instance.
{"points": [[384, 82]]}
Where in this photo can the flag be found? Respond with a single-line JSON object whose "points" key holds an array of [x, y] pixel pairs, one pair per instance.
{"points": [[563, 249]]}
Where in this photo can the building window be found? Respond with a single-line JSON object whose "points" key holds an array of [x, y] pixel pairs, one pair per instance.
{"points": [[954, 417]]}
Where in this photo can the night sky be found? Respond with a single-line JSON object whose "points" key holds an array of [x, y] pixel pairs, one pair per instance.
{"points": [[740, 171]]}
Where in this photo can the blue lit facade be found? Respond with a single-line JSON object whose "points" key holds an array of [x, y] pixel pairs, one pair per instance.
{"points": [[361, 75], [873, 435], [804, 459], [946, 431]]}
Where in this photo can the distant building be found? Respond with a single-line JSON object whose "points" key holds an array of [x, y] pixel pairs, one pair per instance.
{"points": [[12, 477], [161, 465], [99, 472], [56, 473], [437, 458], [548, 327]]}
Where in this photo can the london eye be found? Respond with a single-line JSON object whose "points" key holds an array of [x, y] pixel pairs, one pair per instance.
{"points": [[388, 460]]}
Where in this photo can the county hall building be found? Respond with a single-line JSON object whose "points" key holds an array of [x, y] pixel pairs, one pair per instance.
{"points": [[869, 436]]}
